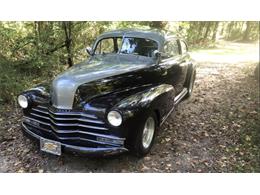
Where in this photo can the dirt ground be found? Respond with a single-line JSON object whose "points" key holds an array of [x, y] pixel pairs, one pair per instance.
{"points": [[216, 130]]}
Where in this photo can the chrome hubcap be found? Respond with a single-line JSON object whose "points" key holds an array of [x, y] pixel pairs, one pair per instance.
{"points": [[148, 132]]}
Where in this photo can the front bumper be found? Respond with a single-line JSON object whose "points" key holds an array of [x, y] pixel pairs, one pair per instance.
{"points": [[78, 149]]}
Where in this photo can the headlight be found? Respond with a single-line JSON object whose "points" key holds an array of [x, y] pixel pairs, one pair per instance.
{"points": [[114, 118], [22, 101]]}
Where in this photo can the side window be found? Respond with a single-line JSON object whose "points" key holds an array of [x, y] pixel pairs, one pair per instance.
{"points": [[183, 47], [105, 46], [171, 49]]}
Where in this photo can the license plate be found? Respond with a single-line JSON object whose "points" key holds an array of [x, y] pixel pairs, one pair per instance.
{"points": [[50, 146]]}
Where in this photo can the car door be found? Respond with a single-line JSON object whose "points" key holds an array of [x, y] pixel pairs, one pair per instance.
{"points": [[185, 59], [173, 64]]}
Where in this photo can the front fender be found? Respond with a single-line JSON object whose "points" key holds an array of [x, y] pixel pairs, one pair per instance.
{"points": [[38, 94], [157, 98]]}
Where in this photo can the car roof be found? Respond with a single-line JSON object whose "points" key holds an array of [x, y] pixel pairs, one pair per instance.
{"points": [[155, 35], [135, 32]]}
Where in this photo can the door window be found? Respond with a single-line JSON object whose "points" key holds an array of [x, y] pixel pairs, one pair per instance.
{"points": [[184, 48], [171, 49]]}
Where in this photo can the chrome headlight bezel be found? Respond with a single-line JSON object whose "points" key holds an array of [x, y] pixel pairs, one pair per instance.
{"points": [[23, 101], [114, 118]]}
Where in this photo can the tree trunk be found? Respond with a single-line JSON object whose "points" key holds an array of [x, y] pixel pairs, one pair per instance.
{"points": [[230, 28], [201, 26], [241, 26], [67, 27], [37, 32], [247, 31], [215, 30], [207, 30]]}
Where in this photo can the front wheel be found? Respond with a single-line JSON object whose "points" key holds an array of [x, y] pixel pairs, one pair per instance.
{"points": [[145, 136]]}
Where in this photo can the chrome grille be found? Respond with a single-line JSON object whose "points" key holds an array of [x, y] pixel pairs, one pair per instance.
{"points": [[69, 125]]}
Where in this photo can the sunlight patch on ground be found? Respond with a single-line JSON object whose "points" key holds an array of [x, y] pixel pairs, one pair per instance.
{"points": [[228, 52]]}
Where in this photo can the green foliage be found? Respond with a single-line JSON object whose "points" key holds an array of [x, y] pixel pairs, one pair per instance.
{"points": [[36, 51], [242, 31], [10, 82]]}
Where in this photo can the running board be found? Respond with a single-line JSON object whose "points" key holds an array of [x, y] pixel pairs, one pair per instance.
{"points": [[179, 97]]}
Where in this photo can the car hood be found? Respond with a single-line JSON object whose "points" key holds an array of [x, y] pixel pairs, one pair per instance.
{"points": [[65, 85]]}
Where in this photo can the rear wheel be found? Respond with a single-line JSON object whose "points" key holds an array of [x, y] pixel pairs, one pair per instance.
{"points": [[145, 136]]}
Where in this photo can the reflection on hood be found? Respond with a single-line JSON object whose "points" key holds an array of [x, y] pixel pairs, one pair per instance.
{"points": [[98, 67]]}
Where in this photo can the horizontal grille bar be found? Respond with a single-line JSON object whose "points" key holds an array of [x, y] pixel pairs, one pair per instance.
{"points": [[119, 141], [46, 111], [68, 118], [93, 136], [83, 132], [66, 125], [65, 119]]}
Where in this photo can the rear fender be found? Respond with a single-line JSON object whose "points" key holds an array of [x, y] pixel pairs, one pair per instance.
{"points": [[191, 68]]}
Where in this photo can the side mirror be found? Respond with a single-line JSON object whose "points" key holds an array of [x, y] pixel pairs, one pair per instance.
{"points": [[90, 51], [157, 56]]}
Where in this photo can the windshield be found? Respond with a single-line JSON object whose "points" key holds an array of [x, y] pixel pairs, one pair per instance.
{"points": [[138, 46], [129, 45]]}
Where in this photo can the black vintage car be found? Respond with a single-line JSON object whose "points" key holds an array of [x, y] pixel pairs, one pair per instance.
{"points": [[114, 101]]}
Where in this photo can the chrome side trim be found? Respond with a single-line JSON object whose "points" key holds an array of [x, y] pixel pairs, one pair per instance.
{"points": [[164, 119], [177, 99]]}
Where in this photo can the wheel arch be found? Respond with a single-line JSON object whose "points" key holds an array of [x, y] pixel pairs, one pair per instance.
{"points": [[158, 116], [191, 68]]}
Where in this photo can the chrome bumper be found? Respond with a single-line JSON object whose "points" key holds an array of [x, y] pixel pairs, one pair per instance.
{"points": [[78, 149]]}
